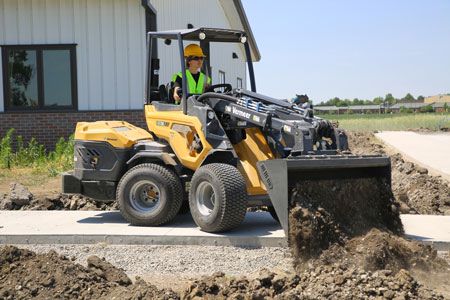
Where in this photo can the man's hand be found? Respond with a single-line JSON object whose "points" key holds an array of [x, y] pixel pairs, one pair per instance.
{"points": [[175, 95]]}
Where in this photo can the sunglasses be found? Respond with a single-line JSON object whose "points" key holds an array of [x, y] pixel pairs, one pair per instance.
{"points": [[196, 58]]}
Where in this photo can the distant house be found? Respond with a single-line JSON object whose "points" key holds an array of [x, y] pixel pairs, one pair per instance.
{"points": [[364, 109], [413, 106], [326, 109], [440, 107], [66, 61], [356, 109], [437, 98]]}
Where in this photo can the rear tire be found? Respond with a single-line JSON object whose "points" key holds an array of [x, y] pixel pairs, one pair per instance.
{"points": [[149, 195], [218, 197]]}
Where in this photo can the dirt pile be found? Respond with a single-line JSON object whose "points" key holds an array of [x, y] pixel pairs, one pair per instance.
{"points": [[415, 190], [26, 275], [322, 282], [20, 198], [328, 212]]}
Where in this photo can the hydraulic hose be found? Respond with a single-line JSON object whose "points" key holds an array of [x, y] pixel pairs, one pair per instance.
{"points": [[216, 95]]}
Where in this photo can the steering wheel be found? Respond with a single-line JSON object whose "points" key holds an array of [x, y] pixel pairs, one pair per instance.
{"points": [[227, 88]]}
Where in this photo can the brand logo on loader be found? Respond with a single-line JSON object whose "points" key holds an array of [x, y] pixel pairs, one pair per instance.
{"points": [[240, 113], [265, 173]]}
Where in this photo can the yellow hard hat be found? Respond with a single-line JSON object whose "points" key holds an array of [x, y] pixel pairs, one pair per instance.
{"points": [[193, 50]]}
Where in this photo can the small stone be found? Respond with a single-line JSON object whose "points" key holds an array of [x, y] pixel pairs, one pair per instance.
{"points": [[388, 294], [422, 170], [19, 194]]}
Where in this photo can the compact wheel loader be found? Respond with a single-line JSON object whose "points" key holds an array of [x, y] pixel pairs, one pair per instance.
{"points": [[221, 152]]}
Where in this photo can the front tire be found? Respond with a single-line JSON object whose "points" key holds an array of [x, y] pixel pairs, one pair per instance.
{"points": [[149, 195], [218, 197]]}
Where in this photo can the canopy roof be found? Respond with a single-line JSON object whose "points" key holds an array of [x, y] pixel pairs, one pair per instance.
{"points": [[212, 34]]}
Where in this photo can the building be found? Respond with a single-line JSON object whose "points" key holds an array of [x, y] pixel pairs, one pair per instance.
{"points": [[408, 106], [437, 98], [352, 109], [65, 61]]}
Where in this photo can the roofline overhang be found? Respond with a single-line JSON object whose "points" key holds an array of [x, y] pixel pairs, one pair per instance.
{"points": [[233, 8], [247, 29]]}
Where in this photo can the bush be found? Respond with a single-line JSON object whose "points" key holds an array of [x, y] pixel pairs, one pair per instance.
{"points": [[427, 109], [6, 150], [35, 156]]}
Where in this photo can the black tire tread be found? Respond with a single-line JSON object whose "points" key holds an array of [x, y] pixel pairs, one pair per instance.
{"points": [[234, 191], [174, 185]]}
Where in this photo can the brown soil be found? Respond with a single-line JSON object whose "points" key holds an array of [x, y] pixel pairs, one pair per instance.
{"points": [[415, 190], [330, 212], [26, 275], [21, 198]]}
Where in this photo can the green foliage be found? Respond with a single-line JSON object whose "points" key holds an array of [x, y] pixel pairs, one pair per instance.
{"points": [[446, 107], [390, 99], [34, 156], [404, 110], [6, 150], [408, 98], [427, 109]]}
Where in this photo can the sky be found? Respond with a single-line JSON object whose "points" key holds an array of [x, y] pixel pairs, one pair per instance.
{"points": [[351, 48]]}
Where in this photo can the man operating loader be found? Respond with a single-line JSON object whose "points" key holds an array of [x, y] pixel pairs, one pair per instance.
{"points": [[196, 79]]}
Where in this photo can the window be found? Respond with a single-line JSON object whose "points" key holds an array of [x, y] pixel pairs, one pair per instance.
{"points": [[222, 79], [39, 77], [239, 83]]}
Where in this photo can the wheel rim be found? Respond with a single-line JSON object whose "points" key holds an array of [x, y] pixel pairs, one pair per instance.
{"points": [[145, 196], [205, 198]]}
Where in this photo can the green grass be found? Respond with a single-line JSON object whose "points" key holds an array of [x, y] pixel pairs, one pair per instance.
{"points": [[33, 156], [394, 122]]}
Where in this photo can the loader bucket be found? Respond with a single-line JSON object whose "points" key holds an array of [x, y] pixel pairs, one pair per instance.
{"points": [[352, 189]]}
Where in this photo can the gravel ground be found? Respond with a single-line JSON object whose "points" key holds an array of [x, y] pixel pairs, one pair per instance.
{"points": [[137, 260]]}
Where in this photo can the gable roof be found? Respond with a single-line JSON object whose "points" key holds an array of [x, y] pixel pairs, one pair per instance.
{"points": [[234, 10]]}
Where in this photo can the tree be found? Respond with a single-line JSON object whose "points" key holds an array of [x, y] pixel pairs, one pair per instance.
{"points": [[421, 98], [408, 98], [390, 99], [378, 100]]}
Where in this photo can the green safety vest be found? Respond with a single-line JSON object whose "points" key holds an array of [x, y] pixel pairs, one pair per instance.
{"points": [[194, 87]]}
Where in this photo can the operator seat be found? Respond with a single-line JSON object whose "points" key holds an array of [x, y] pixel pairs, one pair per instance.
{"points": [[166, 103]]}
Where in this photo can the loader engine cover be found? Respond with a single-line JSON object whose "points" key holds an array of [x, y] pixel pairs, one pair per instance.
{"points": [[101, 151]]}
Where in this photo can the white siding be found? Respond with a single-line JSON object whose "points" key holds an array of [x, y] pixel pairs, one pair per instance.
{"points": [[110, 38], [175, 14]]}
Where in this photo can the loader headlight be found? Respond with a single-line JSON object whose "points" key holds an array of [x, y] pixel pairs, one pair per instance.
{"points": [[202, 36], [211, 115], [243, 39]]}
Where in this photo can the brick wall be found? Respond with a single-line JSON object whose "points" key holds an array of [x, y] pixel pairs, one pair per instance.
{"points": [[48, 127]]}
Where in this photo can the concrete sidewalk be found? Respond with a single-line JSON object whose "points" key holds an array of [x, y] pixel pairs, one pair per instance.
{"points": [[430, 150], [86, 227], [258, 230]]}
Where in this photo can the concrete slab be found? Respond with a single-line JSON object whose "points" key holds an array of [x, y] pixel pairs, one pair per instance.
{"points": [[430, 150], [429, 229], [85, 227], [258, 230]]}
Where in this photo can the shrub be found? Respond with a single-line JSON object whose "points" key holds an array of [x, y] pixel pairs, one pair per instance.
{"points": [[6, 149], [427, 109], [35, 156]]}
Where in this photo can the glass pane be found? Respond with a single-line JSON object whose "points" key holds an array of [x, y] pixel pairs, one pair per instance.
{"points": [[22, 78], [57, 77]]}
